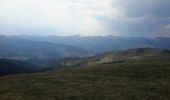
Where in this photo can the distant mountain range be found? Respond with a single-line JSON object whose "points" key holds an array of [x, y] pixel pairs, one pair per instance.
{"points": [[102, 44], [15, 46], [24, 54]]}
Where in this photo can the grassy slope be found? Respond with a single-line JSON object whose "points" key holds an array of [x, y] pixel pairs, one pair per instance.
{"points": [[128, 80]]}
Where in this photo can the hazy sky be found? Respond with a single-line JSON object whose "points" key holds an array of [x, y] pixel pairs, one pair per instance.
{"points": [[85, 17]]}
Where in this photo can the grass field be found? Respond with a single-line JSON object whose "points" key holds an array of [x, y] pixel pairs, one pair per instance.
{"points": [[123, 81]]}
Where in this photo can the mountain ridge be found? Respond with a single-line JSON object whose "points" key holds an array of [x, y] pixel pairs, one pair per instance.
{"points": [[102, 44]]}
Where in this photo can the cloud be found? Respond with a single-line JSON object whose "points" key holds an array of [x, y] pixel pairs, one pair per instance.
{"points": [[167, 26], [58, 17], [138, 8], [85, 17], [138, 18]]}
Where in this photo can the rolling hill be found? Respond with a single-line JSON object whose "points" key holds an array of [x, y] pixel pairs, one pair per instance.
{"points": [[142, 54], [132, 74]]}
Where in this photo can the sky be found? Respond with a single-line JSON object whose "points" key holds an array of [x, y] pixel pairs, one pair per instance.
{"points": [[85, 17]]}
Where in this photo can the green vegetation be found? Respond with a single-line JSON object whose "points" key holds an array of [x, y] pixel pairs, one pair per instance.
{"points": [[119, 78], [15, 58]]}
